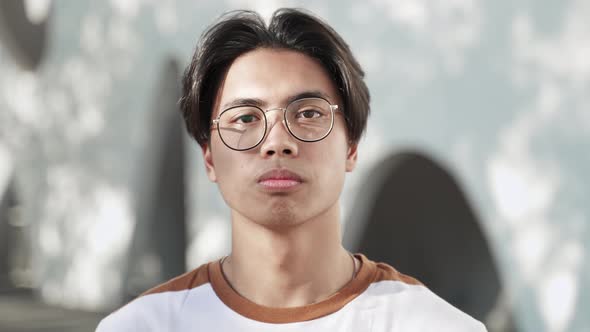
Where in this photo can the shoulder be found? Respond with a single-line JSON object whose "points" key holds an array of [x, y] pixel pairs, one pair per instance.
{"points": [[386, 272], [424, 310], [154, 309], [413, 307], [189, 280]]}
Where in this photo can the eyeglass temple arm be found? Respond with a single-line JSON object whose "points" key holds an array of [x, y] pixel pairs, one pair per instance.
{"points": [[227, 128]]}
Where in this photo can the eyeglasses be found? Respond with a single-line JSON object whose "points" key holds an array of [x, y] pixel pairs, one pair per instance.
{"points": [[244, 127]]}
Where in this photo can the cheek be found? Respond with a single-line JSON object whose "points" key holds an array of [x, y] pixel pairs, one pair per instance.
{"points": [[224, 160], [232, 176], [227, 168], [330, 158], [231, 167], [336, 149]]}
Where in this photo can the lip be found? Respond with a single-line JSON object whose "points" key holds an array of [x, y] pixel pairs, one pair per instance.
{"points": [[279, 180]]}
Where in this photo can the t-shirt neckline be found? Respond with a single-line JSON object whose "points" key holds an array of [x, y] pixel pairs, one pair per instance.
{"points": [[252, 310]]}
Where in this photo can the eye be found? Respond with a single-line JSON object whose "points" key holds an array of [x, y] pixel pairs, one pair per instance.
{"points": [[246, 118], [244, 115], [309, 114]]}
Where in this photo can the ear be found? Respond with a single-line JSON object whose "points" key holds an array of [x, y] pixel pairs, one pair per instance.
{"points": [[351, 157], [208, 158]]}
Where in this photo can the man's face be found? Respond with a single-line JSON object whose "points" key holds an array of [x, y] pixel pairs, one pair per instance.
{"points": [[282, 181]]}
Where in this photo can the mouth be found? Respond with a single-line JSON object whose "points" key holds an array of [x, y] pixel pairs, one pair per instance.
{"points": [[279, 180]]}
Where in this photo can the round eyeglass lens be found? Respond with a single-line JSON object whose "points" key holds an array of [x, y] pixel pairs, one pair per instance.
{"points": [[309, 119], [242, 127]]}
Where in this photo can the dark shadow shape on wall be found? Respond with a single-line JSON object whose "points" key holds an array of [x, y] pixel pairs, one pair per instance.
{"points": [[415, 217], [158, 248], [25, 41], [15, 243]]}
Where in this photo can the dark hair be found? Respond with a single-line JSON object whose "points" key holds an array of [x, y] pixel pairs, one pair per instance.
{"points": [[239, 32]]}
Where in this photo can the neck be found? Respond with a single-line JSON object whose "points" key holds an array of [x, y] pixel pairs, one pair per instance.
{"points": [[291, 266]]}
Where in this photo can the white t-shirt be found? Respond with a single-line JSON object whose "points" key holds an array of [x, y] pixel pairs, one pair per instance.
{"points": [[378, 299]]}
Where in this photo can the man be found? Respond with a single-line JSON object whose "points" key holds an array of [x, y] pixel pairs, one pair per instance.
{"points": [[278, 111]]}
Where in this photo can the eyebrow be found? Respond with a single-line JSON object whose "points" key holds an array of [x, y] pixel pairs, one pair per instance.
{"points": [[261, 103], [308, 94]]}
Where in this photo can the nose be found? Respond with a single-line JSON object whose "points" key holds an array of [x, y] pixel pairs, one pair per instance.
{"points": [[278, 140]]}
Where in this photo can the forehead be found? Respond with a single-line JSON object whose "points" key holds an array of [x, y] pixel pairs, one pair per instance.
{"points": [[273, 76]]}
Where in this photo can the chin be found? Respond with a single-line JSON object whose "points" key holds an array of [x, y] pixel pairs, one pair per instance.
{"points": [[282, 216], [278, 217]]}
